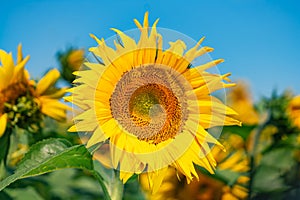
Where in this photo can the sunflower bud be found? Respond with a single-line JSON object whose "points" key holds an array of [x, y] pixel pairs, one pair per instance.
{"points": [[70, 61], [25, 113]]}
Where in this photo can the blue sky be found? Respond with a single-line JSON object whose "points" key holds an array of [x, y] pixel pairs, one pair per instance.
{"points": [[259, 39]]}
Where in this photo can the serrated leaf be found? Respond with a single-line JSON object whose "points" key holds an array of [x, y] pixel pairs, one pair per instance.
{"points": [[49, 155]]}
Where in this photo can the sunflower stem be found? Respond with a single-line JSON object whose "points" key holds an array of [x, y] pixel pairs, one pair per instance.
{"points": [[4, 144], [252, 152], [109, 181], [117, 193], [101, 182]]}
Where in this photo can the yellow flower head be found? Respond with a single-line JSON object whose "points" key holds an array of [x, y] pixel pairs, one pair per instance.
{"points": [[240, 100], [75, 59], [70, 61], [17, 90], [294, 110], [150, 104], [13, 82]]}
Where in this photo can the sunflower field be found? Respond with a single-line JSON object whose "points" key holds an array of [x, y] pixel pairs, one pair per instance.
{"points": [[143, 115]]}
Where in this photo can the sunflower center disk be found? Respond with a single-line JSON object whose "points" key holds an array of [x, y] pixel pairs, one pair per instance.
{"points": [[11, 93], [155, 108], [144, 105], [147, 102]]}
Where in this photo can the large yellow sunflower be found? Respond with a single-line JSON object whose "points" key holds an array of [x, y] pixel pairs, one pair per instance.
{"points": [[150, 104], [15, 83], [294, 110]]}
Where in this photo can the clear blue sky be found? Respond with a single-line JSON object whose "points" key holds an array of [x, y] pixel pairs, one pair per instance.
{"points": [[259, 39]]}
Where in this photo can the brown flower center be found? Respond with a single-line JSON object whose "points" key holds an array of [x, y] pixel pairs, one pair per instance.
{"points": [[11, 93], [148, 102]]}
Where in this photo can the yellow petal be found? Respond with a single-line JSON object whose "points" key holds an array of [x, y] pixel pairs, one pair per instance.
{"points": [[20, 72], [209, 121], [156, 178], [229, 196], [72, 128], [3, 120], [146, 21], [76, 102], [209, 65], [95, 38], [98, 136], [56, 93], [53, 108], [153, 35], [87, 76], [190, 54], [20, 54], [240, 191], [96, 67], [177, 47], [128, 42], [47, 81], [124, 176], [138, 24], [7, 69], [231, 161]]}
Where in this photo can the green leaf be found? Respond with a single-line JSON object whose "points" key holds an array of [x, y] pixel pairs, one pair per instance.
{"points": [[280, 158], [4, 144], [27, 193], [76, 185], [268, 179], [227, 176], [243, 131], [50, 155], [5, 196], [133, 190]]}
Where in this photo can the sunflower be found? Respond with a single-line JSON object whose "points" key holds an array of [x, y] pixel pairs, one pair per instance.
{"points": [[294, 110], [75, 59], [150, 105], [22, 101], [13, 82], [240, 100], [70, 61]]}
